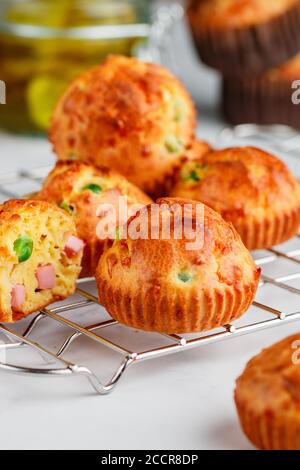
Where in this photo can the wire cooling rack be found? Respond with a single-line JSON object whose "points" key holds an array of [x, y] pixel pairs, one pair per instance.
{"points": [[67, 323]]}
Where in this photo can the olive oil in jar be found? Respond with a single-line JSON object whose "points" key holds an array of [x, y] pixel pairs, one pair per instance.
{"points": [[44, 44]]}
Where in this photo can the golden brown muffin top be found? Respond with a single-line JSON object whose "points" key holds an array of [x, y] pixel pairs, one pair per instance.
{"points": [[223, 14], [80, 188], [239, 182], [128, 115], [14, 208], [271, 380], [161, 263]]}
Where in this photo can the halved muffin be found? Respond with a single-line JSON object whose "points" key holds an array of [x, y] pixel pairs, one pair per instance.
{"points": [[40, 257], [267, 397], [81, 190], [245, 37], [128, 115], [250, 188], [269, 98], [157, 278]]}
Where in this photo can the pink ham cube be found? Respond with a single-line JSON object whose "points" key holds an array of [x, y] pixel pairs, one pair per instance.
{"points": [[46, 276], [18, 296], [73, 246]]}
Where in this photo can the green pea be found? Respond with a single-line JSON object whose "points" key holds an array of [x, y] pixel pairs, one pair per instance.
{"points": [[172, 144], [184, 276], [66, 207], [179, 111], [95, 188], [23, 247], [189, 176], [118, 234], [194, 174]]}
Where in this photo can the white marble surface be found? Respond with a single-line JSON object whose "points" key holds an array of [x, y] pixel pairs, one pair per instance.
{"points": [[178, 402], [20, 152]]}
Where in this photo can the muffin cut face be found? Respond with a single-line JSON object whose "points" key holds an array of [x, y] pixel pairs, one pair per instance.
{"points": [[127, 115], [158, 284], [250, 188], [267, 397], [81, 190], [35, 269]]}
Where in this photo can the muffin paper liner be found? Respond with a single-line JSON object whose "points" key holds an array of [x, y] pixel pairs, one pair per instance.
{"points": [[260, 101], [252, 49], [178, 311], [258, 235], [268, 431]]}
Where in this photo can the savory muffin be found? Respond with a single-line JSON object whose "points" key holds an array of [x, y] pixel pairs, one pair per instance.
{"points": [[267, 397], [269, 98], [81, 190], [40, 257], [179, 268], [128, 115], [240, 37], [250, 188], [197, 149]]}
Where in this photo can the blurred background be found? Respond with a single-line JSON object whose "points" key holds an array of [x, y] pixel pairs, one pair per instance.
{"points": [[44, 44]]}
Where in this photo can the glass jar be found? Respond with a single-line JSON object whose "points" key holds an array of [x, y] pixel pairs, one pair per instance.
{"points": [[44, 44]]}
